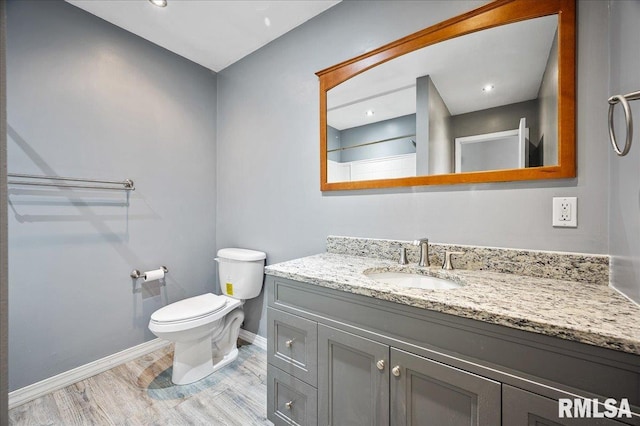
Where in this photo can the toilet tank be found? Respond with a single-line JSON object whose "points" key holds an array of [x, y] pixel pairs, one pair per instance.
{"points": [[241, 272]]}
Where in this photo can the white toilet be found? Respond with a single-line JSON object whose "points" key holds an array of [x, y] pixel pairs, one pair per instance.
{"points": [[205, 328]]}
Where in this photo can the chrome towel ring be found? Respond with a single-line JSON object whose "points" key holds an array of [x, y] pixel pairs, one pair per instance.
{"points": [[624, 101]]}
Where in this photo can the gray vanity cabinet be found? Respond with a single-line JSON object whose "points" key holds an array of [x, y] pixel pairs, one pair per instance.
{"points": [[342, 359], [426, 392], [520, 407], [353, 379]]}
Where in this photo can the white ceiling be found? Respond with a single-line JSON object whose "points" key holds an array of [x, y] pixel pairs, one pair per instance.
{"points": [[212, 33], [511, 57]]}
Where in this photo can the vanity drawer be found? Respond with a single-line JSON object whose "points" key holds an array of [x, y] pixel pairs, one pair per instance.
{"points": [[290, 401], [292, 345]]}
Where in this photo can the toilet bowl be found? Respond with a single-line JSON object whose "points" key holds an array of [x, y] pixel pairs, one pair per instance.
{"points": [[205, 328]]}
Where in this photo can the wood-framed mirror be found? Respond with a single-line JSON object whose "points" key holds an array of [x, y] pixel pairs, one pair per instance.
{"points": [[487, 96]]}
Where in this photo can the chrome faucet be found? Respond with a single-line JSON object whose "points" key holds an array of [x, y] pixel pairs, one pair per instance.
{"points": [[423, 243], [446, 263]]}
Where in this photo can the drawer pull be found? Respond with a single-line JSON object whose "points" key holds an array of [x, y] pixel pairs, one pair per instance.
{"points": [[289, 343], [380, 364], [289, 405], [396, 371]]}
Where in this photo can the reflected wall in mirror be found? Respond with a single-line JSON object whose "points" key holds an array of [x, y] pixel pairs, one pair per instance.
{"points": [[484, 97]]}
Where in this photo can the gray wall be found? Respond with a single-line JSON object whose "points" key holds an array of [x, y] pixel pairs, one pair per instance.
{"points": [[548, 104], [385, 129], [88, 99], [440, 140], [4, 249], [422, 125], [268, 189], [624, 185]]}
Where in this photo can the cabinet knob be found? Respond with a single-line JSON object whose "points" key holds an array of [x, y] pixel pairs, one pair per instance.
{"points": [[289, 405], [380, 364], [396, 371], [289, 343]]}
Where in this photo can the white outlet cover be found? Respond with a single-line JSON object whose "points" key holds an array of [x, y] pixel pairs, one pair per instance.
{"points": [[562, 205]]}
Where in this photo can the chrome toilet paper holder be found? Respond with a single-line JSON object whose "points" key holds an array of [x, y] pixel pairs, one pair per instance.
{"points": [[137, 274]]}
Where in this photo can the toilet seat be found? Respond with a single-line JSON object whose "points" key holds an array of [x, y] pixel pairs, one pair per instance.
{"points": [[190, 309]]}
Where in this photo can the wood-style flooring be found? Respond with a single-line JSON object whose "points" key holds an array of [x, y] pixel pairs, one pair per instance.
{"points": [[140, 392]]}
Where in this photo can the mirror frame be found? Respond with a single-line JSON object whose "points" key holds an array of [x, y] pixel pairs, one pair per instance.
{"points": [[494, 14]]}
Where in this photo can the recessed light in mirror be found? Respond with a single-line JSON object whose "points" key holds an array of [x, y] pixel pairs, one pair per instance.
{"points": [[488, 88], [159, 3], [267, 21]]}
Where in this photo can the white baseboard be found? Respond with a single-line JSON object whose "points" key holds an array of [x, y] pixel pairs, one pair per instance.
{"points": [[254, 339], [41, 388]]}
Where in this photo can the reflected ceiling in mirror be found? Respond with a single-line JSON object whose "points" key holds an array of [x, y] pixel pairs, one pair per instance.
{"points": [[473, 99]]}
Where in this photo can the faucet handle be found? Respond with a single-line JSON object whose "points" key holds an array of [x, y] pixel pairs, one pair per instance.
{"points": [[403, 256], [423, 243], [446, 264]]}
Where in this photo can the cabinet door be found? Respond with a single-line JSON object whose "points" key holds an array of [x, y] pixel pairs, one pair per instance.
{"points": [[520, 407], [353, 386], [426, 392]]}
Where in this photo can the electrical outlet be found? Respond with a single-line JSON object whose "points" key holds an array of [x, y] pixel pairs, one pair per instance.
{"points": [[565, 212]]}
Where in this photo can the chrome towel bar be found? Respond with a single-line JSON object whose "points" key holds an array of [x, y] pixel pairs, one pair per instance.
{"points": [[126, 185], [397, 138], [624, 101]]}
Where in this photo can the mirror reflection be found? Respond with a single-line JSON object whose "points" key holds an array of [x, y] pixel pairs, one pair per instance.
{"points": [[483, 101]]}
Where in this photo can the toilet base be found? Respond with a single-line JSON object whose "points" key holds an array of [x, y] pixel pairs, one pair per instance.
{"points": [[228, 358], [196, 359], [191, 361]]}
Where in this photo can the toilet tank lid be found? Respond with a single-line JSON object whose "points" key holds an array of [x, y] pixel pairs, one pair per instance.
{"points": [[241, 254]]}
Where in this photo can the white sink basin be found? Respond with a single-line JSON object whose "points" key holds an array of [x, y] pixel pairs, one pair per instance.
{"points": [[409, 280]]}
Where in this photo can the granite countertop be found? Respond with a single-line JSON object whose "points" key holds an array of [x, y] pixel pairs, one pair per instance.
{"points": [[582, 312]]}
